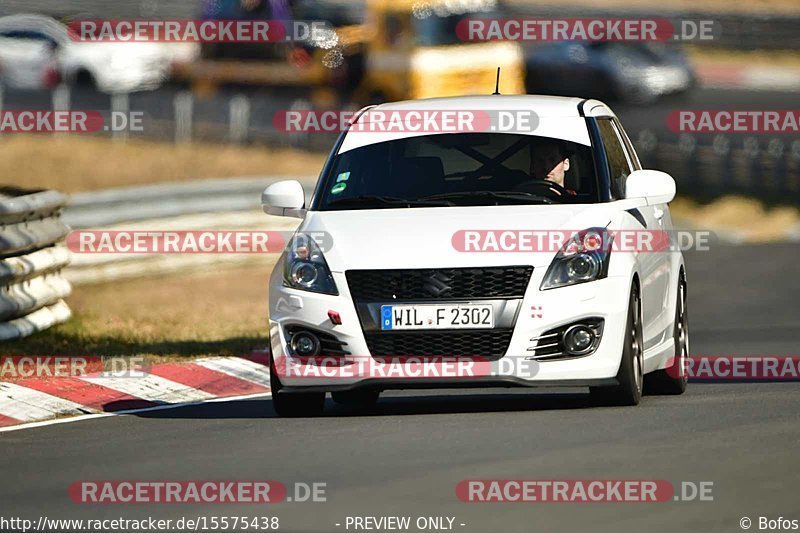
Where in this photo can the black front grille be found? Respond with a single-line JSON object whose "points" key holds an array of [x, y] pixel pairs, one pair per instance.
{"points": [[439, 283], [490, 343]]}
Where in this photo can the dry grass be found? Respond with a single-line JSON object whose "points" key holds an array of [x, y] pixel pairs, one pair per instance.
{"points": [[214, 313], [756, 222], [80, 163]]}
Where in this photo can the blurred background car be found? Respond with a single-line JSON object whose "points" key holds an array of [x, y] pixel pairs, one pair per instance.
{"points": [[36, 52], [389, 50], [631, 72]]}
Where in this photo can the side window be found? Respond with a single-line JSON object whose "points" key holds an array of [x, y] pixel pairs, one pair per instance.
{"points": [[632, 155], [618, 163]]}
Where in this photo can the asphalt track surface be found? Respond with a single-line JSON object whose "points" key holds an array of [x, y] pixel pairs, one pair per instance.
{"points": [[405, 456]]}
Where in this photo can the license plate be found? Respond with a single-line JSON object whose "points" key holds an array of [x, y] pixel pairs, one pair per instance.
{"points": [[437, 316]]}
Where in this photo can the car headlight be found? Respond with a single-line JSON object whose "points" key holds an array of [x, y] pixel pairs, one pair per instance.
{"points": [[584, 257], [304, 267]]}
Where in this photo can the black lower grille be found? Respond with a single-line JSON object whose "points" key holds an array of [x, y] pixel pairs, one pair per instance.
{"points": [[439, 283], [329, 344], [491, 344]]}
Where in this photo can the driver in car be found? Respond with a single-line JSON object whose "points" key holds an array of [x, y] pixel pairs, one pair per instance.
{"points": [[550, 161]]}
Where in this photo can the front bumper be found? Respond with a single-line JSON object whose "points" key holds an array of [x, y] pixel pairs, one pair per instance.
{"points": [[538, 312]]}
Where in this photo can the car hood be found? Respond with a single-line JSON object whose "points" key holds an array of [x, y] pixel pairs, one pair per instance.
{"points": [[424, 237]]}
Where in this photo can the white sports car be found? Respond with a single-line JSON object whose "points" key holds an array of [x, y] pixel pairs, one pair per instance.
{"points": [[38, 52], [528, 252]]}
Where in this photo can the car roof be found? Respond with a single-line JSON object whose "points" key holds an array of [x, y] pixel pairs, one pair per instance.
{"points": [[542, 105], [557, 117]]}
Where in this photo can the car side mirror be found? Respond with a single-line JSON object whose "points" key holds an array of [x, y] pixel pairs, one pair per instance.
{"points": [[654, 186], [284, 199]]}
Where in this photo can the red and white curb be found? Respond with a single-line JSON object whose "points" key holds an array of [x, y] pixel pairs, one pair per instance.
{"points": [[29, 402]]}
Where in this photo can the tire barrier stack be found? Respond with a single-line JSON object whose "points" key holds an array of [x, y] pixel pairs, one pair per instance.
{"points": [[32, 290]]}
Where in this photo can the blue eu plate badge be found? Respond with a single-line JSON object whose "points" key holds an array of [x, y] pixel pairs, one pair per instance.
{"points": [[386, 317]]}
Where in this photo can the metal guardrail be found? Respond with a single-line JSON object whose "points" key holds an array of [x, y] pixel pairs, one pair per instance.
{"points": [[163, 200], [32, 290], [210, 204]]}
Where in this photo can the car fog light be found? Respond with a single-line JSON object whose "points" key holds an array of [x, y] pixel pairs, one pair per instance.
{"points": [[578, 340], [305, 344]]}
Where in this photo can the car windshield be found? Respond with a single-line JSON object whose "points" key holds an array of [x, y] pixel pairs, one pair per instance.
{"points": [[461, 169]]}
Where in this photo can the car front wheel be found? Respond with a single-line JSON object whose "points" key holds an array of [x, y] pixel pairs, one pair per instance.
{"points": [[630, 376], [296, 404], [673, 379]]}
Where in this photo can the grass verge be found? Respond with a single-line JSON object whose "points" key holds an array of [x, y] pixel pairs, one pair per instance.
{"points": [[206, 314], [751, 218], [74, 163]]}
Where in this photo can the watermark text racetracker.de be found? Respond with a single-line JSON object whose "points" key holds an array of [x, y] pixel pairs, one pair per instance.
{"points": [[551, 241], [581, 491], [76, 121], [18, 367], [586, 29], [738, 367], [405, 121], [186, 241], [404, 367], [734, 121], [205, 492], [172, 492], [201, 31]]}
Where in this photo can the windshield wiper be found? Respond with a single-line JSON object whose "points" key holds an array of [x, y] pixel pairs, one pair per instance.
{"points": [[510, 195], [387, 200]]}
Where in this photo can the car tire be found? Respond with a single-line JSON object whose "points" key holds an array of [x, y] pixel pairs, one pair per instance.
{"points": [[629, 377], [293, 405], [673, 380], [361, 398]]}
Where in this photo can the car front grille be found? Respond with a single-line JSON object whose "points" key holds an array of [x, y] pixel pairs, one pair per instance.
{"points": [[439, 283], [489, 344]]}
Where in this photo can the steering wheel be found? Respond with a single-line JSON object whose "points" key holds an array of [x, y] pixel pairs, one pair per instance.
{"points": [[549, 185]]}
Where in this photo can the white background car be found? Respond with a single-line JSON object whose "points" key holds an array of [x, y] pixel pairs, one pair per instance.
{"points": [[33, 48], [601, 318]]}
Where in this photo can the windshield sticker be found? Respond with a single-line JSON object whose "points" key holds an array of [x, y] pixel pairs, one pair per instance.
{"points": [[344, 176], [338, 188]]}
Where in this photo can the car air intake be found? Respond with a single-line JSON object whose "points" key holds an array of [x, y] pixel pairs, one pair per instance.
{"points": [[438, 284], [490, 344]]}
